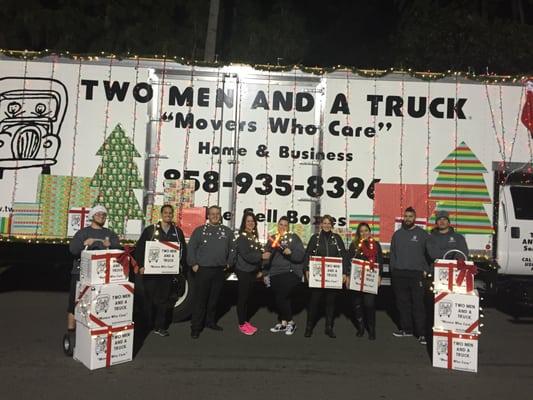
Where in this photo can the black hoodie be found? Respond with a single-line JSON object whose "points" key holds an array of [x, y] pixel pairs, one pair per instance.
{"points": [[439, 244]]}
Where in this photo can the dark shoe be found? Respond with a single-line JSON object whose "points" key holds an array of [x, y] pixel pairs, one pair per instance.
{"points": [[214, 327], [162, 332], [195, 334], [360, 326], [308, 332], [371, 335], [422, 340], [330, 332]]}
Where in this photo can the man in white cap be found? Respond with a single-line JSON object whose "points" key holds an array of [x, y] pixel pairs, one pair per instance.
{"points": [[92, 237]]}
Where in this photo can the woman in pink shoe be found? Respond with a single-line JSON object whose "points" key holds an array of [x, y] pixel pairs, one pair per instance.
{"points": [[248, 261]]}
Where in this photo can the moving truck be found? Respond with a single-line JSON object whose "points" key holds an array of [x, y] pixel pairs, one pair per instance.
{"points": [[134, 134]]}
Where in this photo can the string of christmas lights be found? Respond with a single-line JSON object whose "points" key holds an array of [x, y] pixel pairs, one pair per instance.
{"points": [[213, 136], [517, 124], [346, 145], [265, 207], [428, 151], [293, 161], [238, 110], [402, 83]]}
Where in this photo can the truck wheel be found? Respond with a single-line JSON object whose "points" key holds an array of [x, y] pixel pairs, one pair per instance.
{"points": [[68, 343], [183, 304]]}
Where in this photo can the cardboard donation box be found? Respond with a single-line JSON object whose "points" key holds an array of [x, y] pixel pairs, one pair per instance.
{"points": [[457, 312], [101, 266], [454, 276], [364, 276], [78, 218], [162, 258], [454, 350], [100, 306], [325, 272], [103, 347]]}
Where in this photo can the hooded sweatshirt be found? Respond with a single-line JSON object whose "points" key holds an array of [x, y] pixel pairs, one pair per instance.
{"points": [[281, 263], [408, 250], [440, 243]]}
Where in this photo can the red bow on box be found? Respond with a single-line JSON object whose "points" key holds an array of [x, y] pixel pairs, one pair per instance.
{"points": [[466, 272], [126, 259]]}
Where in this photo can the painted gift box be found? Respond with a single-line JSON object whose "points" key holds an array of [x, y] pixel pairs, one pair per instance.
{"points": [[325, 272], [162, 257], [100, 306], [78, 218], [364, 276], [454, 276], [26, 219], [457, 351], [103, 347], [102, 266], [457, 312]]}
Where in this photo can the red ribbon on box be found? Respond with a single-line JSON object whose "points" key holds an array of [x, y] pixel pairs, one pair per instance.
{"points": [[465, 272], [173, 245], [363, 264], [471, 328], [450, 336], [83, 213], [107, 257], [126, 259], [82, 293], [323, 261], [109, 331], [468, 272]]}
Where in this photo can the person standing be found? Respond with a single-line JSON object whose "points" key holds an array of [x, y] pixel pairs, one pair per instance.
{"points": [[409, 267], [286, 256], [93, 237], [208, 252], [157, 288], [248, 263], [324, 244], [365, 247], [443, 240]]}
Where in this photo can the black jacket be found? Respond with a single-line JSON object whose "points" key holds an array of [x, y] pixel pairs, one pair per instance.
{"points": [[327, 244], [439, 244]]}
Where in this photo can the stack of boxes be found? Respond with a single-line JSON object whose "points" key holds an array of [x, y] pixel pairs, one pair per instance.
{"points": [[103, 311], [456, 321]]}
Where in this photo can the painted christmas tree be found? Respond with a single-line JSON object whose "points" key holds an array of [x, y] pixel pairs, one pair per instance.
{"points": [[460, 189], [116, 177]]}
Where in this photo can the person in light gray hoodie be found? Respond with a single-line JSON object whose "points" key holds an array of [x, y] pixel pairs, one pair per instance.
{"points": [[208, 252], [409, 267], [443, 240]]}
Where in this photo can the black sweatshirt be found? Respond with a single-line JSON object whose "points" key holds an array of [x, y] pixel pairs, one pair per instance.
{"points": [[355, 252], [408, 250], [76, 245], [327, 244], [174, 234], [249, 254], [210, 246], [439, 244]]}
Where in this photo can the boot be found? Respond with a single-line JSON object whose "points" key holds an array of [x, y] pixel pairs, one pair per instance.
{"points": [[371, 324], [359, 322], [329, 331], [308, 331]]}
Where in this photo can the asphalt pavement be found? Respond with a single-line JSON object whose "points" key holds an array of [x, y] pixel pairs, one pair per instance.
{"points": [[229, 365]]}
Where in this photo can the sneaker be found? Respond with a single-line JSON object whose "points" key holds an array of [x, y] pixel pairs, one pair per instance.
{"points": [[401, 334], [246, 330], [251, 327], [290, 329], [162, 332], [422, 340], [278, 328]]}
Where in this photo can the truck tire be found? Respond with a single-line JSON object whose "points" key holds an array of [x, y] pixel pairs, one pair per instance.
{"points": [[184, 298]]}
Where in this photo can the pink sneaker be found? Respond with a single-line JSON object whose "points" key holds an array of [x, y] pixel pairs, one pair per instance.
{"points": [[251, 327], [246, 330]]}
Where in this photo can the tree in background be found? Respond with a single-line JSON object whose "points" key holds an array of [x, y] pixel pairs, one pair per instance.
{"points": [[116, 177]]}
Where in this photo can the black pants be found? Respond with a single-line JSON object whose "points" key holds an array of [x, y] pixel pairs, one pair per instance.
{"points": [[208, 284], [409, 291], [283, 285], [245, 286], [156, 299], [364, 307], [314, 304]]}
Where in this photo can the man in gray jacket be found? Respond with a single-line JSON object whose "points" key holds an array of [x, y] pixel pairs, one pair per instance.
{"points": [[409, 266], [208, 252], [443, 240]]}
